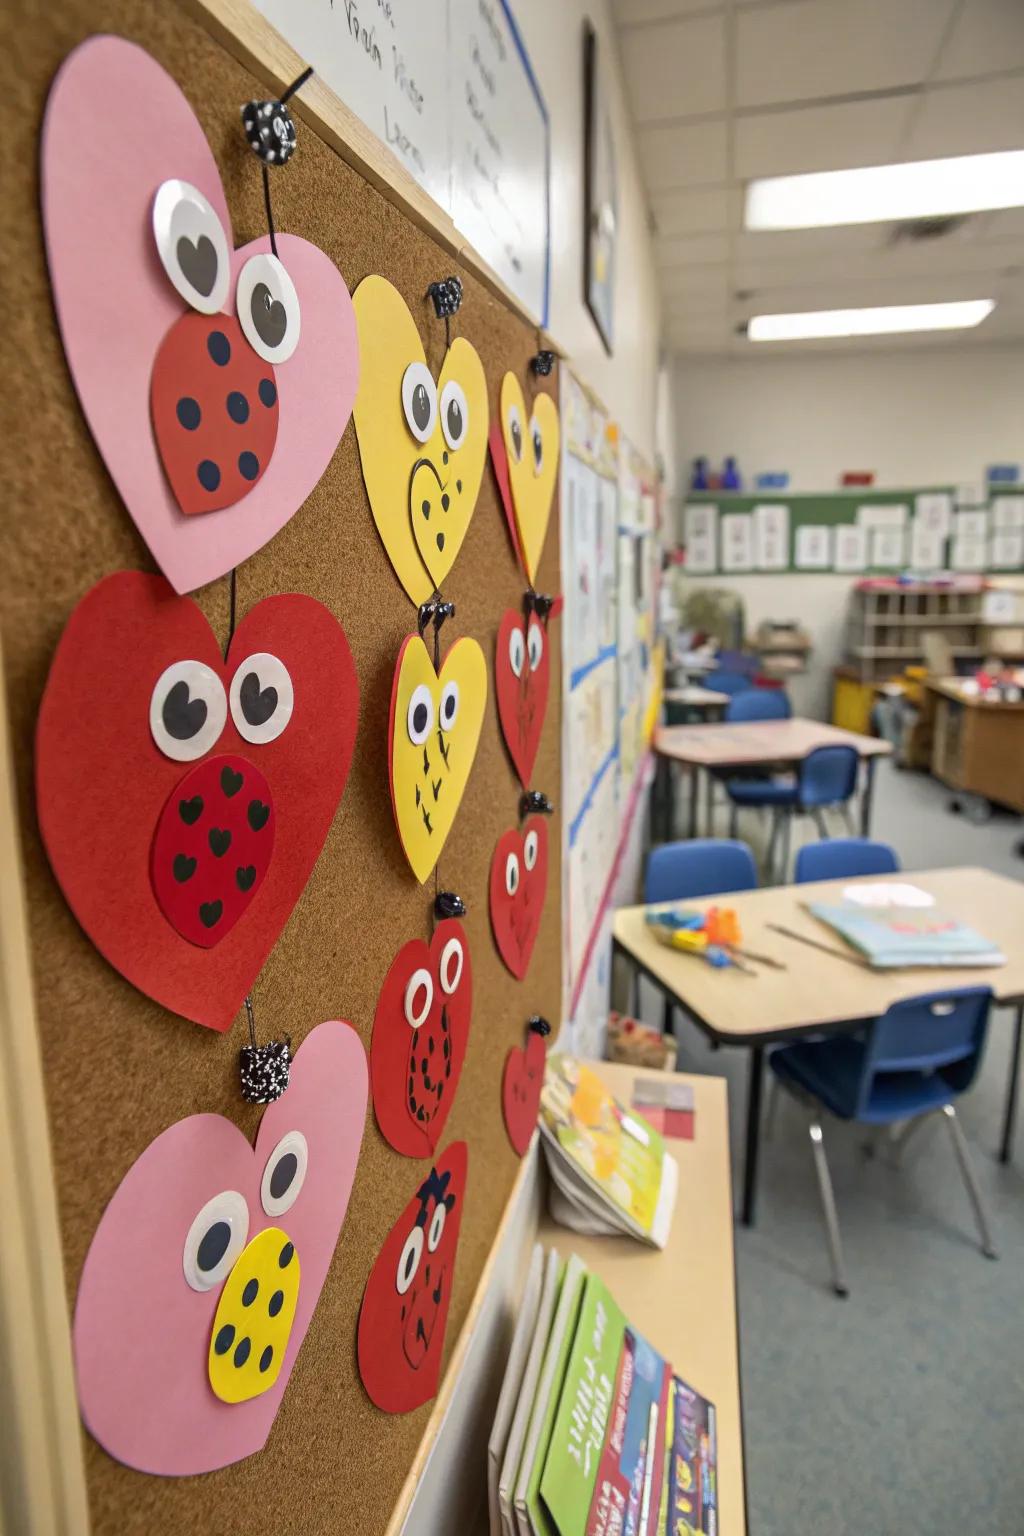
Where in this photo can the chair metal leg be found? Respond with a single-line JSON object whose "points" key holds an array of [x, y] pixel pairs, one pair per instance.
{"points": [[967, 1172], [773, 1100], [787, 825], [848, 821], [819, 820], [769, 858], [899, 1142], [734, 821], [828, 1206]]}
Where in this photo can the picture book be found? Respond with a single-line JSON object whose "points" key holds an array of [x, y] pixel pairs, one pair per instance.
{"points": [[509, 1475], [531, 1519], [522, 1339], [890, 937], [692, 1504]]}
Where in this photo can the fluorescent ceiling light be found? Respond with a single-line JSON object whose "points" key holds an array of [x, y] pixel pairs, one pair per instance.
{"points": [[917, 190], [869, 322]]}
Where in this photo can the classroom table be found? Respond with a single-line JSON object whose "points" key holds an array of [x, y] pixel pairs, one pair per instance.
{"points": [[718, 747], [818, 991], [693, 696], [977, 743]]}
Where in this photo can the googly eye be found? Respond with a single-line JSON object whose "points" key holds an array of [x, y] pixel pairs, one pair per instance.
{"points": [[515, 432], [192, 246], [449, 705], [512, 873], [187, 710], [421, 715], [537, 444], [215, 1239], [419, 997], [437, 1226], [535, 644], [419, 401], [268, 308], [450, 968], [262, 697], [454, 414], [516, 651], [530, 850], [409, 1260], [285, 1174]]}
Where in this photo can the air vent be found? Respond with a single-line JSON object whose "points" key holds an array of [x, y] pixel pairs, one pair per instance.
{"points": [[921, 231]]}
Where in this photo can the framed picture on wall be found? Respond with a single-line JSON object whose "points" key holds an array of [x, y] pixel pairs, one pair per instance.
{"points": [[601, 195]]}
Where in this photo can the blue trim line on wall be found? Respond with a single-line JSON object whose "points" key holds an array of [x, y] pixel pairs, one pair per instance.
{"points": [[588, 798], [606, 654]]}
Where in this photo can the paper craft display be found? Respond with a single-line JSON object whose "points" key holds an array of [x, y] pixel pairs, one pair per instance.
{"points": [[518, 886], [215, 381], [524, 453], [205, 1270], [521, 680], [521, 1086], [420, 1031], [183, 800], [422, 444], [400, 1339], [432, 740]]}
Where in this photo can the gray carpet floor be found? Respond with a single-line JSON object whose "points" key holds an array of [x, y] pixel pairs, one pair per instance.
{"points": [[900, 1409]]}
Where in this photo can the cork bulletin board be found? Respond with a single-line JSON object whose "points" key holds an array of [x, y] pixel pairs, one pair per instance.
{"points": [[118, 1068]]}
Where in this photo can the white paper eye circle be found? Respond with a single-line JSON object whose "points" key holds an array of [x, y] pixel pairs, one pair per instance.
{"points": [[215, 1239], [192, 246], [268, 308], [419, 401], [187, 710], [421, 715], [516, 651], [262, 697], [530, 849], [409, 1260], [285, 1174], [451, 965], [419, 997], [535, 644], [437, 1225], [537, 445], [454, 414], [449, 705], [512, 873], [515, 432]]}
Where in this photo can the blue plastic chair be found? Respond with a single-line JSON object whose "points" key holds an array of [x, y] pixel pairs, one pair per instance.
{"points": [[825, 777], [759, 704], [843, 858], [912, 1061], [724, 681], [702, 867]]}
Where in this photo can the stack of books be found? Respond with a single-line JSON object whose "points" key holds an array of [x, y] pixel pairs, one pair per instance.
{"points": [[594, 1433], [610, 1172], [908, 932]]}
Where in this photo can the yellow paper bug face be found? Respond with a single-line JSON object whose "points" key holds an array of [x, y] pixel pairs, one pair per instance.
{"points": [[531, 444], [254, 1318], [422, 444], [435, 727]]}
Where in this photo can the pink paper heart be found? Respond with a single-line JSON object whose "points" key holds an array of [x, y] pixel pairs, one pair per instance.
{"points": [[116, 127]]}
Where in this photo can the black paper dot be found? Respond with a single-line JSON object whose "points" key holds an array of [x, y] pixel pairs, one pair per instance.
{"points": [[252, 1290], [209, 913], [284, 1172], [445, 501], [189, 413], [444, 457], [213, 1246], [190, 810], [266, 1358], [440, 541], [286, 1255], [458, 486], [238, 407], [225, 1338], [242, 1352], [248, 465], [419, 719], [209, 475], [219, 348], [183, 868], [426, 509], [275, 1303], [268, 392]]}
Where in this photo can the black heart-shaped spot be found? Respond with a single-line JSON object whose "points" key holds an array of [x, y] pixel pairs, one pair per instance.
{"points": [[257, 706], [190, 810], [258, 814], [184, 868], [198, 262], [183, 717], [269, 315], [244, 877], [220, 841], [230, 781], [209, 913]]}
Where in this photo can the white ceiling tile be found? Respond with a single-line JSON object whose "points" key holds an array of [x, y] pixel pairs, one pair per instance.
{"points": [[798, 52], [829, 138], [683, 155], [967, 119], [988, 35], [692, 251], [846, 241], [675, 69], [631, 12], [701, 212], [696, 285]]}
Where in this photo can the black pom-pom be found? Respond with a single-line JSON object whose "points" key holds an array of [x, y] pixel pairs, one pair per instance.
{"points": [[447, 296], [265, 1070], [543, 363], [448, 904], [538, 1025], [539, 603], [270, 130], [533, 803]]}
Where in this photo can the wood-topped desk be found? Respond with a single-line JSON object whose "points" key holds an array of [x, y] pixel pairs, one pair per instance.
{"points": [[683, 1300], [695, 697], [978, 743], [818, 991]]}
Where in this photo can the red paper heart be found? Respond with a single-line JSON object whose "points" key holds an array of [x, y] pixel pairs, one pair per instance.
{"points": [[521, 1087], [420, 1030], [107, 794], [400, 1340], [519, 883], [521, 678]]}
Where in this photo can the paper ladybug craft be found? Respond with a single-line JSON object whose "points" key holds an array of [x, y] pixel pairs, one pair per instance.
{"points": [[422, 440], [524, 443], [217, 382], [184, 799], [400, 1340], [420, 1030], [522, 1082], [521, 677], [205, 1270], [518, 886]]}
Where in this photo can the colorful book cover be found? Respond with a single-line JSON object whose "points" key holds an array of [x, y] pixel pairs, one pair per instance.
{"points": [[891, 937], [530, 1512], [693, 1475], [628, 1490]]}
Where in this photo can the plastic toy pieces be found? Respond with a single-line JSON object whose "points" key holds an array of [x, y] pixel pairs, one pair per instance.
{"points": [[713, 935], [521, 679]]}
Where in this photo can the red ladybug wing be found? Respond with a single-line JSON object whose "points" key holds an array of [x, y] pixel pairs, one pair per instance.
{"points": [[515, 916], [522, 700]]}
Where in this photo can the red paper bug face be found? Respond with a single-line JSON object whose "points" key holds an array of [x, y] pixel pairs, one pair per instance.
{"points": [[420, 1031], [405, 1306], [521, 676], [521, 1087], [519, 882]]}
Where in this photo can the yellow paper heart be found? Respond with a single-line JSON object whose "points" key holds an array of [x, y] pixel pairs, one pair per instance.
{"points": [[422, 454], [532, 449], [434, 731]]}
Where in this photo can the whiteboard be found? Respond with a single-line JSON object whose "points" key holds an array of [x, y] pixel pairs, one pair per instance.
{"points": [[448, 87]]}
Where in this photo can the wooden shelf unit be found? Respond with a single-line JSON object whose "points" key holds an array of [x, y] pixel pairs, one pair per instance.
{"points": [[886, 625]]}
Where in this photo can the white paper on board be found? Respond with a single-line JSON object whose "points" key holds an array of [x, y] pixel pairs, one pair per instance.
{"points": [[851, 548], [1007, 551], [970, 494], [999, 606], [884, 515], [969, 554], [813, 547], [970, 525], [771, 537], [737, 542], [927, 546], [700, 530], [1007, 513], [933, 511], [887, 545]]}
